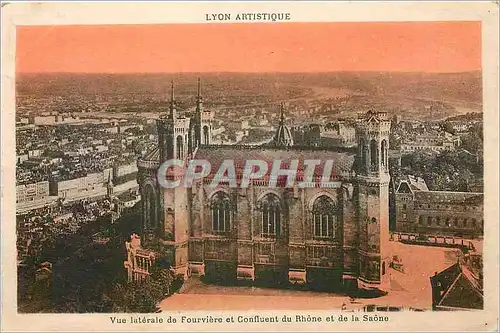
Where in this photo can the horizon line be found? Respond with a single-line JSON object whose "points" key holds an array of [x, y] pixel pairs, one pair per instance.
{"points": [[250, 72]]}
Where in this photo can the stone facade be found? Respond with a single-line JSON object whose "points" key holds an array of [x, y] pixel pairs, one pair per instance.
{"points": [[332, 236], [444, 213]]}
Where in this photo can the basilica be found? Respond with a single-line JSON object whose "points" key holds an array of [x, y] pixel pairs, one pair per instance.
{"points": [[334, 236]]}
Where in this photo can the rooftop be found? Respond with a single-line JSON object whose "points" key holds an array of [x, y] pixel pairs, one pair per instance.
{"points": [[457, 287], [449, 197], [343, 160]]}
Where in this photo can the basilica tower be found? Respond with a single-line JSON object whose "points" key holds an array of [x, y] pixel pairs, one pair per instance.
{"points": [[165, 222], [202, 124], [173, 133], [372, 185], [173, 137]]}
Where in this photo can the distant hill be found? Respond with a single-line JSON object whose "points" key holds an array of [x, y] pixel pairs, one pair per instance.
{"points": [[465, 87], [461, 92]]}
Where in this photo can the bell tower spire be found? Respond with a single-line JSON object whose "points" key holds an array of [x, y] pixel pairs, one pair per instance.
{"points": [[199, 101], [199, 89], [173, 107], [109, 186], [282, 115], [198, 116]]}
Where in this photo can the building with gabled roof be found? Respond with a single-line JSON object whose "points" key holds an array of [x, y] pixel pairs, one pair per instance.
{"points": [[456, 288], [439, 213]]}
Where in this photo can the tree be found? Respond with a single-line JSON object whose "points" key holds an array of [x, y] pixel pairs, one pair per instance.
{"points": [[162, 272], [473, 141], [137, 297], [447, 171], [144, 296], [129, 224], [447, 127]]}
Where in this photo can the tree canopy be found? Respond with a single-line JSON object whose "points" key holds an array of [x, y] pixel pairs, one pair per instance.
{"points": [[455, 170]]}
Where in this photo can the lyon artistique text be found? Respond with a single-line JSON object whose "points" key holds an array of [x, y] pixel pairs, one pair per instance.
{"points": [[248, 17]]}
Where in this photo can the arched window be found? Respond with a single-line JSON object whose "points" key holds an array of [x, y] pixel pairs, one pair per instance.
{"points": [[373, 152], [383, 152], [324, 217], [220, 207], [150, 206], [206, 137], [180, 148], [383, 268], [270, 209]]}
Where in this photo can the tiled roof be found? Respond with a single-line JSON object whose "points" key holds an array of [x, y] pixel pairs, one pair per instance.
{"points": [[457, 287], [343, 161], [152, 155], [449, 197], [415, 183]]}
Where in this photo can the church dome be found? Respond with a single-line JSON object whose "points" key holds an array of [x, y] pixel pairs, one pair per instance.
{"points": [[283, 136]]}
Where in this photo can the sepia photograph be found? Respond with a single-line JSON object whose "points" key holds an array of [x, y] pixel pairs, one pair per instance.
{"points": [[246, 163]]}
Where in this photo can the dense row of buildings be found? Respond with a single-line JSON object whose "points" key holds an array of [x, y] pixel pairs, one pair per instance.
{"points": [[432, 141], [70, 188], [74, 162]]}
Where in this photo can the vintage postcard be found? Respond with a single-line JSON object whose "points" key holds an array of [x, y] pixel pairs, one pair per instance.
{"points": [[245, 166]]}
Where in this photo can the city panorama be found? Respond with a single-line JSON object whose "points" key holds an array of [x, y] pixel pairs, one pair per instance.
{"points": [[166, 190]]}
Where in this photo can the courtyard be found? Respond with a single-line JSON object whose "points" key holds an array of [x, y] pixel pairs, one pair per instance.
{"points": [[410, 288]]}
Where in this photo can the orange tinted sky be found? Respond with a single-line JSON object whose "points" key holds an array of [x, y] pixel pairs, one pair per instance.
{"points": [[284, 47]]}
